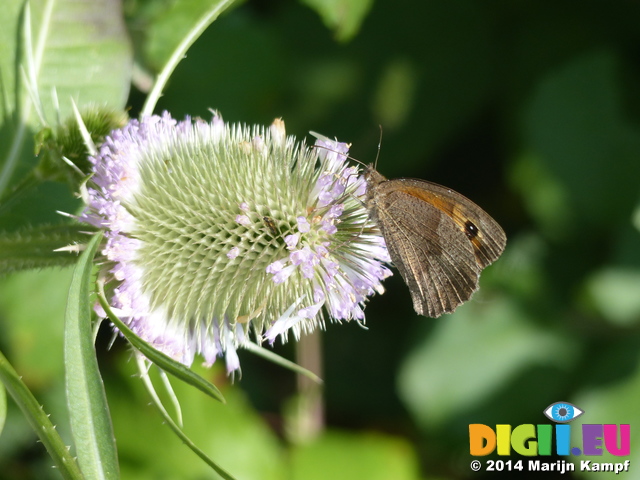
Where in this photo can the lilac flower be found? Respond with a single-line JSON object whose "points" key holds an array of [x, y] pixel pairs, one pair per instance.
{"points": [[194, 265]]}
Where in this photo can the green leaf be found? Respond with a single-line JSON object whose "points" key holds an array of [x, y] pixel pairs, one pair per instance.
{"points": [[81, 49], [614, 293], [36, 247], [39, 421], [163, 361], [11, 12], [191, 34], [34, 330], [346, 456], [3, 407], [283, 362], [577, 128], [88, 408], [158, 27], [342, 16], [234, 434], [76, 48], [472, 355]]}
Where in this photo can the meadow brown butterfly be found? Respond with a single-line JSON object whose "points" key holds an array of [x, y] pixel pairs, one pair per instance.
{"points": [[439, 240]]}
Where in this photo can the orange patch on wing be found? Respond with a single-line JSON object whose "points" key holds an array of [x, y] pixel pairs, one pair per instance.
{"points": [[441, 203], [454, 210]]}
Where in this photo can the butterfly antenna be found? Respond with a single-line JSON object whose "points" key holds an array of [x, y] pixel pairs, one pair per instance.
{"points": [[375, 164]]}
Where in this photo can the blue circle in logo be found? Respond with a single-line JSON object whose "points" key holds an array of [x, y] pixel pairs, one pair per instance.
{"points": [[562, 412]]}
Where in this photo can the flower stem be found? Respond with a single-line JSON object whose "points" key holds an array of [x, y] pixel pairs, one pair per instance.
{"points": [[310, 418], [146, 380], [180, 52], [39, 421]]}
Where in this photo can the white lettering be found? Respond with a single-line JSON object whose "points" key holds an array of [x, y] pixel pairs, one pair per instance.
{"points": [[589, 466], [560, 466]]}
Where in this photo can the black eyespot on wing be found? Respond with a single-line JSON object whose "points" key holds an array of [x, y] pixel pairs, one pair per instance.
{"points": [[470, 229]]}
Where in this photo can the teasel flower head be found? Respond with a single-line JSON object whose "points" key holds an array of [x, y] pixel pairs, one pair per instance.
{"points": [[218, 235]]}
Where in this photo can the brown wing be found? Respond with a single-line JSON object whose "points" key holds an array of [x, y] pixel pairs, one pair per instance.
{"points": [[438, 239]]}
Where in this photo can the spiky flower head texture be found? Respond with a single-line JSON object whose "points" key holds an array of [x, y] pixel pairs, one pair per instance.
{"points": [[220, 234]]}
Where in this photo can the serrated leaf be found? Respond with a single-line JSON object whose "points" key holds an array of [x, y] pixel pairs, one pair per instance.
{"points": [[88, 408], [161, 360], [36, 247]]}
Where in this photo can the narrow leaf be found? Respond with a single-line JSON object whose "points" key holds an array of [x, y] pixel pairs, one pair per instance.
{"points": [[172, 397], [174, 427], [163, 361], [283, 362], [39, 421], [88, 408]]}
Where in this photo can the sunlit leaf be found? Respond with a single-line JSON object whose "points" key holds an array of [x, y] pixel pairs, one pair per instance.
{"points": [[65, 49], [88, 408], [82, 50], [10, 15]]}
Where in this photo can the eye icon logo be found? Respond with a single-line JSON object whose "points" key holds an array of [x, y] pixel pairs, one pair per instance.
{"points": [[562, 412]]}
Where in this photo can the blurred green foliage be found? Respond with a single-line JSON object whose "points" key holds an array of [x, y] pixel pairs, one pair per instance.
{"points": [[529, 108]]}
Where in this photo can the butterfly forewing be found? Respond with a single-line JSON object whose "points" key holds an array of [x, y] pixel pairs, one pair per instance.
{"points": [[438, 239]]}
